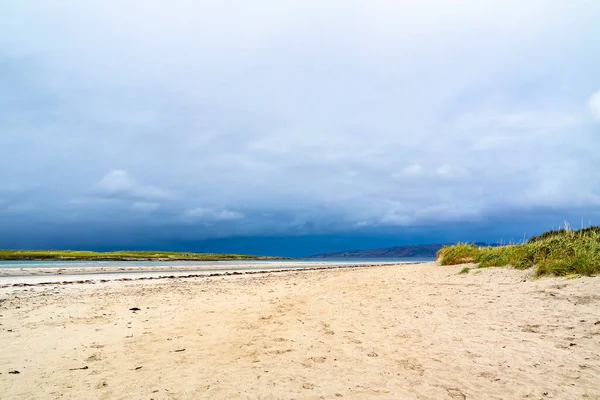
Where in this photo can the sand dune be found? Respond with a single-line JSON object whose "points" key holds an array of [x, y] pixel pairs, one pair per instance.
{"points": [[388, 332]]}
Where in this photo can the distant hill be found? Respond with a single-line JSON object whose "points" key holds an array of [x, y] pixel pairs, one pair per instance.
{"points": [[418, 250], [72, 255]]}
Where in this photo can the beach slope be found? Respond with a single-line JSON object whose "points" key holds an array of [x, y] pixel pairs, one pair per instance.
{"points": [[389, 332]]}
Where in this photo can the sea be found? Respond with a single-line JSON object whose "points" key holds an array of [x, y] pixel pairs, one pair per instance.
{"points": [[77, 263]]}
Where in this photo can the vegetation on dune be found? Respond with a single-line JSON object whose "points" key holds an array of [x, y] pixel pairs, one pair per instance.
{"points": [[122, 255], [590, 231], [558, 252]]}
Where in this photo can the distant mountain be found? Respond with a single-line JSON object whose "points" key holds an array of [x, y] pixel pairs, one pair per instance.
{"points": [[418, 250]]}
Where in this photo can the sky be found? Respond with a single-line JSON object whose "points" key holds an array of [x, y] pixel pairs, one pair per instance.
{"points": [[292, 128]]}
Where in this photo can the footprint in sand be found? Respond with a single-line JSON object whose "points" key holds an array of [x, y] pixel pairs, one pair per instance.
{"points": [[94, 357], [326, 329], [313, 360], [412, 364], [456, 393], [280, 352], [101, 385]]}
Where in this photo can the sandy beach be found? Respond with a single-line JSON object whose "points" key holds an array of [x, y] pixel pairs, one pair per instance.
{"points": [[389, 332]]}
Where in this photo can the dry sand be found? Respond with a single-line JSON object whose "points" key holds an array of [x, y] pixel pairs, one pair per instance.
{"points": [[389, 332]]}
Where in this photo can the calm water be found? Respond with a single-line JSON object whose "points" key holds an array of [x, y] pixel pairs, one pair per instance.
{"points": [[247, 264]]}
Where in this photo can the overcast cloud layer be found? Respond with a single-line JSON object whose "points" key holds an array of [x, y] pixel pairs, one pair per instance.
{"points": [[221, 118]]}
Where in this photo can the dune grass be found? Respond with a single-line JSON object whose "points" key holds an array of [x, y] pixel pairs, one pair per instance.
{"points": [[558, 252], [122, 255]]}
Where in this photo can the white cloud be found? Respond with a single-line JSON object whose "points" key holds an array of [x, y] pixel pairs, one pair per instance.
{"points": [[210, 214], [413, 170], [119, 184], [442, 172], [594, 105], [446, 171]]}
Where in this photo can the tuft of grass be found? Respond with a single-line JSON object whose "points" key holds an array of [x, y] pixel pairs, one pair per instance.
{"points": [[464, 271], [458, 254], [589, 232], [560, 253]]}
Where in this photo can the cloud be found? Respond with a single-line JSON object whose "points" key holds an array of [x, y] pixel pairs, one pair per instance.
{"points": [[143, 206], [287, 117], [208, 214], [451, 172], [594, 105], [413, 170], [118, 184], [440, 172]]}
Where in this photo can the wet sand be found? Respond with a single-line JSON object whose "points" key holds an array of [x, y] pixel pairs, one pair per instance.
{"points": [[29, 275], [391, 332]]}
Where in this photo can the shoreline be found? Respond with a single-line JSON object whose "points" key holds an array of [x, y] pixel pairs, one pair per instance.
{"points": [[104, 274], [148, 259]]}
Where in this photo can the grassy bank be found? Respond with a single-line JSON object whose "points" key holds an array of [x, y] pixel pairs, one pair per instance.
{"points": [[559, 252], [123, 256]]}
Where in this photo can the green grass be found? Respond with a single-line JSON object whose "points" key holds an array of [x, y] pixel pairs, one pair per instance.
{"points": [[122, 255], [558, 252], [465, 270]]}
